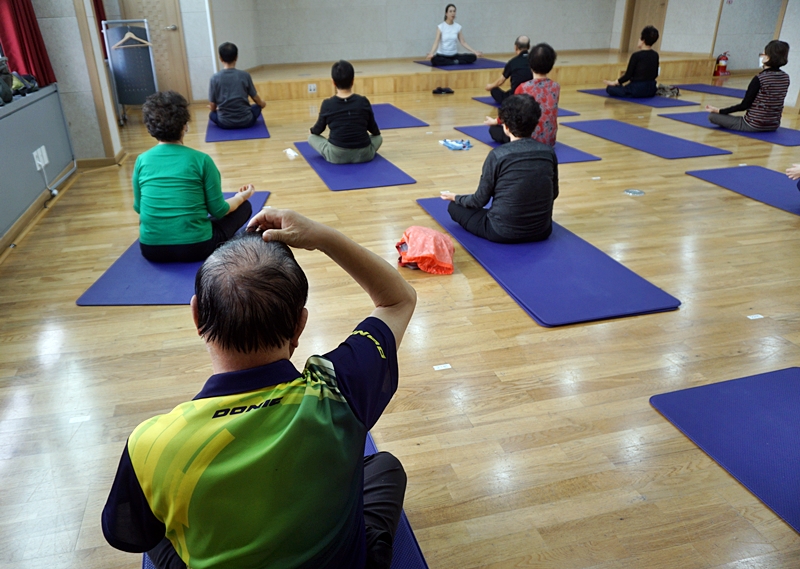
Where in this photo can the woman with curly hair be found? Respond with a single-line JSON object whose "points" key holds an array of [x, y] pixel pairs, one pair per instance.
{"points": [[520, 178], [177, 191]]}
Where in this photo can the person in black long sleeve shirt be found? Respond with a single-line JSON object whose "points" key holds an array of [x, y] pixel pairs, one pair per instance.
{"points": [[642, 70], [763, 101], [521, 179], [355, 136]]}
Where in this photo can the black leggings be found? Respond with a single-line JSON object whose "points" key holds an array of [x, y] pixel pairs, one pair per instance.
{"points": [[460, 58], [498, 134], [476, 221], [384, 489], [222, 230]]}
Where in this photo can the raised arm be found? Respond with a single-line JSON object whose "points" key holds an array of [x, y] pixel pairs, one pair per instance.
{"points": [[435, 44], [393, 297], [463, 42]]}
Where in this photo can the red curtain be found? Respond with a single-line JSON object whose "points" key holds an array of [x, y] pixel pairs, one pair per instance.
{"points": [[22, 41], [100, 15]]}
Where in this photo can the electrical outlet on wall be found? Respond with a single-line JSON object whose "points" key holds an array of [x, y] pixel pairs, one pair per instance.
{"points": [[312, 87], [40, 158]]}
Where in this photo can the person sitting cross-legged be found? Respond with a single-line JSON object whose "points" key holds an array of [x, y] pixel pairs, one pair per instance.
{"points": [[265, 466], [230, 91], [521, 179], [355, 136], [517, 69], [642, 70]]}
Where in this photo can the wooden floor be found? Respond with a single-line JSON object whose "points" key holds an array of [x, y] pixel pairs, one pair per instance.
{"points": [[536, 448]]}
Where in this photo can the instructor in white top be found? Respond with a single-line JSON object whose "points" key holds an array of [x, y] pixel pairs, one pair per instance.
{"points": [[448, 36]]}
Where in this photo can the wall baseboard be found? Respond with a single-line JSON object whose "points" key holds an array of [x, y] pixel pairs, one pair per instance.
{"points": [[32, 215], [102, 162]]}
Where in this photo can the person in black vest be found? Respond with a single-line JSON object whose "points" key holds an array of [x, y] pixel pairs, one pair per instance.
{"points": [[517, 69], [763, 101], [642, 70]]}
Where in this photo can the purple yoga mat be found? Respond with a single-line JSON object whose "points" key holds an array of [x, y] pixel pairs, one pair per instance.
{"points": [[657, 102], [782, 136], [388, 117], [377, 173], [562, 280], [659, 144], [767, 186], [565, 154], [491, 102], [217, 134], [406, 551], [713, 90], [134, 281], [749, 427], [480, 63]]}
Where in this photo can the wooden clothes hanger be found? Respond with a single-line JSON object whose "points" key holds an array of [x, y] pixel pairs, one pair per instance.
{"points": [[131, 36]]}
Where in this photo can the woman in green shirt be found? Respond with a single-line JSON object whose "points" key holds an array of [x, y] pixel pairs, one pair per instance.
{"points": [[177, 191]]}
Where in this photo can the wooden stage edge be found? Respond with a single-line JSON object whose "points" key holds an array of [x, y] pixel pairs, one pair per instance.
{"points": [[404, 76]]}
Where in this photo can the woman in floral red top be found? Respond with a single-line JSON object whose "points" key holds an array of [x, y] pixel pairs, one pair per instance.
{"points": [[546, 92]]}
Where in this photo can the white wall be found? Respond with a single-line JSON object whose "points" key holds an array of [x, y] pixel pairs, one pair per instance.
{"points": [[745, 27], [58, 23], [310, 31], [690, 25], [236, 21], [790, 33], [200, 53], [619, 22]]}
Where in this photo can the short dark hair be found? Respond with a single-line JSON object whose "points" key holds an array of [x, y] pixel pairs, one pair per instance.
{"points": [[649, 35], [778, 53], [250, 294], [343, 74], [165, 113], [520, 113], [542, 58], [228, 52], [446, 8], [523, 45]]}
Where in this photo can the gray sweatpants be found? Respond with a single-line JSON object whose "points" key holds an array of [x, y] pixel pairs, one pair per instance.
{"points": [[731, 122], [338, 155]]}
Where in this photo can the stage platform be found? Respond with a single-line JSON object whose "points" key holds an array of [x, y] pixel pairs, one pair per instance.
{"points": [[386, 76]]}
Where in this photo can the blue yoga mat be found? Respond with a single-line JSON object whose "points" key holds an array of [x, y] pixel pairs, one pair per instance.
{"points": [[782, 136], [657, 102], [377, 173], [562, 280], [750, 427], [713, 90], [565, 154], [406, 551], [388, 117], [217, 134], [134, 281], [491, 102], [767, 186], [480, 63], [662, 145]]}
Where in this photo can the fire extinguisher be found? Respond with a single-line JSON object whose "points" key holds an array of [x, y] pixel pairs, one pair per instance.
{"points": [[721, 67]]}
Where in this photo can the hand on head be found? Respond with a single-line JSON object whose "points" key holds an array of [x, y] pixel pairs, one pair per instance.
{"points": [[288, 227]]}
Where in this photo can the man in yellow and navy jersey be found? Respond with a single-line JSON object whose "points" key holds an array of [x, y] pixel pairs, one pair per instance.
{"points": [[264, 467]]}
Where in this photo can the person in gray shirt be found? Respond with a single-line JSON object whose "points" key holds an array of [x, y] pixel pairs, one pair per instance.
{"points": [[228, 93], [521, 179]]}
